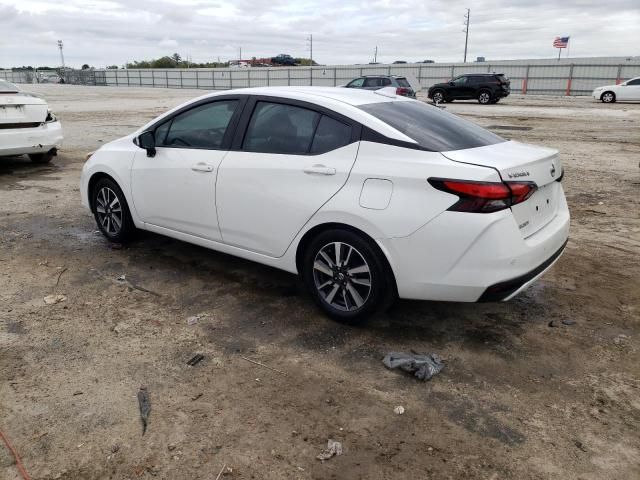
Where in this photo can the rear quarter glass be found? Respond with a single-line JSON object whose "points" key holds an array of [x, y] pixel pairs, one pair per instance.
{"points": [[403, 82], [432, 128]]}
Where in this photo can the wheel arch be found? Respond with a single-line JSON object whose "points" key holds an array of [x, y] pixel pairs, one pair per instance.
{"points": [[93, 180], [322, 227]]}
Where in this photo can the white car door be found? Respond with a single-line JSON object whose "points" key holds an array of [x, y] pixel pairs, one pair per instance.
{"points": [[630, 90], [175, 189], [291, 160]]}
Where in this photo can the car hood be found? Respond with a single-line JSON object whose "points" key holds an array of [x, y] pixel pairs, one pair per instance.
{"points": [[443, 84], [606, 86]]}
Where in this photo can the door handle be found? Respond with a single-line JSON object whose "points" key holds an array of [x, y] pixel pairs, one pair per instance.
{"points": [[202, 167], [320, 170]]}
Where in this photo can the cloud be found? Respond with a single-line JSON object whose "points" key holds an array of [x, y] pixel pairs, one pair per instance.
{"points": [[168, 43], [104, 32]]}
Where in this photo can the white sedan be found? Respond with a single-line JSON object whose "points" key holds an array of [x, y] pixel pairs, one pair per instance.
{"points": [[27, 126], [629, 90], [366, 195]]}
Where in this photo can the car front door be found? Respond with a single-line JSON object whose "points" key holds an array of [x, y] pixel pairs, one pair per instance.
{"points": [[459, 88], [288, 159], [175, 189], [630, 90]]}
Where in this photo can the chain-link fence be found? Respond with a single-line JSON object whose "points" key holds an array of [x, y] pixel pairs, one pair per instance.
{"points": [[550, 77]]}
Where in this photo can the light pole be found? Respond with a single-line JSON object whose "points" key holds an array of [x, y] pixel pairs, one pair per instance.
{"points": [[375, 55], [60, 45], [467, 17], [310, 40]]}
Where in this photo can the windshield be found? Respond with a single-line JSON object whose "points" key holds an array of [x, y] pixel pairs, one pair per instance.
{"points": [[431, 127], [8, 87]]}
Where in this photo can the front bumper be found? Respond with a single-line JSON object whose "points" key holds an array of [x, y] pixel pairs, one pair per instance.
{"points": [[40, 139], [459, 256]]}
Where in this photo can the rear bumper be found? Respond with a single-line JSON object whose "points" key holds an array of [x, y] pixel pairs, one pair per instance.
{"points": [[460, 256], [510, 288], [31, 140]]}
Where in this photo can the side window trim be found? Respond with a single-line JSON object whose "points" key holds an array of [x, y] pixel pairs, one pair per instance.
{"points": [[249, 107], [229, 132]]}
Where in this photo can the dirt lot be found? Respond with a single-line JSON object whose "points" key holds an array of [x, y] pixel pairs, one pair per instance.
{"points": [[518, 399]]}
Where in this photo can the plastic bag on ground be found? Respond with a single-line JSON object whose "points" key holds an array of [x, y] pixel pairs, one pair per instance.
{"points": [[422, 366]]}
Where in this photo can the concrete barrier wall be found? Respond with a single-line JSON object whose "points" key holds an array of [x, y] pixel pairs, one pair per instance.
{"points": [[575, 76]]}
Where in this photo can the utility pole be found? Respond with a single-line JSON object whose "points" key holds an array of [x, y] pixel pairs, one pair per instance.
{"points": [[60, 45], [467, 18], [310, 42], [240, 59], [375, 55]]}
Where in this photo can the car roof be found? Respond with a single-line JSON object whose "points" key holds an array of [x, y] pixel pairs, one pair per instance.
{"points": [[482, 74], [383, 75]]}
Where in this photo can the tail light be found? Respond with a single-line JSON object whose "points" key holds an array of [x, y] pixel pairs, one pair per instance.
{"points": [[402, 91], [484, 197]]}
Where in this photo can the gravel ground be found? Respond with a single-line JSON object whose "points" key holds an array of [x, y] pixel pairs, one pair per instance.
{"points": [[517, 399]]}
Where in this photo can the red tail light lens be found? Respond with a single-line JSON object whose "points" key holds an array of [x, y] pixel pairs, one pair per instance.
{"points": [[402, 91], [484, 197]]}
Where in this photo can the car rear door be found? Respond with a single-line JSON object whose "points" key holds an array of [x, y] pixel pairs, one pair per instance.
{"points": [[630, 90], [175, 189], [372, 83], [288, 159]]}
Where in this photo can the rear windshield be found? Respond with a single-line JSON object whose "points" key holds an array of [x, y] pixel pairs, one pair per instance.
{"points": [[431, 127], [7, 87], [403, 82], [503, 78]]}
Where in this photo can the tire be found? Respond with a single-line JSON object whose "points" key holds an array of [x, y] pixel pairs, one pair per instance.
{"points": [[608, 97], [484, 97], [40, 157], [438, 97], [111, 211], [352, 287]]}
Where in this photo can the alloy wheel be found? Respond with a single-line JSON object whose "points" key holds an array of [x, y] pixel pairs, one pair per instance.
{"points": [[342, 276], [438, 97], [109, 211], [484, 97], [607, 97]]}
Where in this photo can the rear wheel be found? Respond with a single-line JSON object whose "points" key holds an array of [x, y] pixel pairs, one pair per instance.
{"points": [[111, 211], [40, 157], [608, 97], [345, 274], [484, 97], [438, 96]]}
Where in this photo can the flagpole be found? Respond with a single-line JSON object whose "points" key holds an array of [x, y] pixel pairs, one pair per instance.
{"points": [[559, 50]]}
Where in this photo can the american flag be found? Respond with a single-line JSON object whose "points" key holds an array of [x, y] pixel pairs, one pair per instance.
{"points": [[561, 42]]}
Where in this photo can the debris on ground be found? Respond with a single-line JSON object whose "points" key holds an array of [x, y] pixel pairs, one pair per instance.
{"points": [[145, 407], [568, 322], [399, 410], [553, 323], [620, 339], [333, 449], [424, 367], [197, 358], [193, 320], [53, 299]]}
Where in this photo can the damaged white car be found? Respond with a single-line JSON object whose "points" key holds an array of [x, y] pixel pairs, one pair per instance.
{"points": [[27, 126]]}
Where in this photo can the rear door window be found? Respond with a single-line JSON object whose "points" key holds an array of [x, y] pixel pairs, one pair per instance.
{"points": [[433, 129], [280, 128], [330, 135], [200, 127], [385, 82]]}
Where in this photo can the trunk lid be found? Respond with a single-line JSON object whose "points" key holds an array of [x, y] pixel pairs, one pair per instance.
{"points": [[519, 162], [20, 110]]}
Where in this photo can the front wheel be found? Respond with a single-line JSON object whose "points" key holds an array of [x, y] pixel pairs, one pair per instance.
{"points": [[345, 274], [608, 97], [438, 96], [111, 211], [484, 98]]}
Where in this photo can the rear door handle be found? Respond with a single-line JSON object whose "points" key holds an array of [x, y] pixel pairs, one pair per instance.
{"points": [[320, 170], [202, 167]]}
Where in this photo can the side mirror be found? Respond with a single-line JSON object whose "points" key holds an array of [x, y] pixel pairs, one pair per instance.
{"points": [[147, 140], [451, 84]]}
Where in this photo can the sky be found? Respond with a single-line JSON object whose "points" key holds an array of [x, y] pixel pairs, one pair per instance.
{"points": [[113, 32]]}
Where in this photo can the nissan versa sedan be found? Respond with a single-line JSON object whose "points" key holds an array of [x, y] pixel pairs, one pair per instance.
{"points": [[27, 126], [366, 195]]}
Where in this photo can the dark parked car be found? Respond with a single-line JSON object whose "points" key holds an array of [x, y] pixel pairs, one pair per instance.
{"points": [[484, 87], [284, 60], [375, 82]]}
